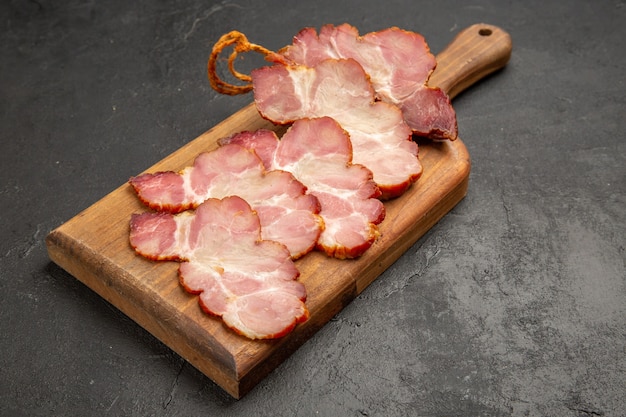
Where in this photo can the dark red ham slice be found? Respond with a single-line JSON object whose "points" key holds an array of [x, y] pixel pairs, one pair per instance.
{"points": [[288, 215], [398, 63], [381, 139], [250, 283], [319, 154]]}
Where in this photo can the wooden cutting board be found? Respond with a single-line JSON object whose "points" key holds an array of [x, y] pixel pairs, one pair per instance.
{"points": [[94, 247]]}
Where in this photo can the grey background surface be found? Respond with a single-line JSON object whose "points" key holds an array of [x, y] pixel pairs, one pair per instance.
{"points": [[512, 305]]}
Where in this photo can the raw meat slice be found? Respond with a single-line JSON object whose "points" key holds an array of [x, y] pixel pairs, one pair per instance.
{"points": [[288, 215], [398, 63], [381, 139], [250, 283], [319, 154]]}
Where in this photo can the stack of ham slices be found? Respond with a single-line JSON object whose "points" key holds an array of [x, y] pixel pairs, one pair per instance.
{"points": [[287, 214], [318, 153], [398, 64], [247, 281], [243, 213]]}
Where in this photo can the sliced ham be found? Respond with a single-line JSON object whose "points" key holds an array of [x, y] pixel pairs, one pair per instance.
{"points": [[381, 139], [288, 215], [249, 282], [319, 154], [398, 63]]}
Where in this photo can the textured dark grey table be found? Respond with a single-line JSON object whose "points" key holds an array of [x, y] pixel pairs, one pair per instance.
{"points": [[513, 305]]}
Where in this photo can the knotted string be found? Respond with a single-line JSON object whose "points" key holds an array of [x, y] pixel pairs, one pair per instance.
{"points": [[241, 44]]}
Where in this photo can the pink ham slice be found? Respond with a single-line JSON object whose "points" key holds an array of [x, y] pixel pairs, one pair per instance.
{"points": [[398, 63], [318, 152], [287, 214], [381, 139], [250, 283]]}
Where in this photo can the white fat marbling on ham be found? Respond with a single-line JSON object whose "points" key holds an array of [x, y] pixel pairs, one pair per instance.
{"points": [[250, 283], [381, 139], [319, 154], [288, 215], [398, 63]]}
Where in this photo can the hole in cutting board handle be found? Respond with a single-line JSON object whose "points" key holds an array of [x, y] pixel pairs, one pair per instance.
{"points": [[485, 32]]}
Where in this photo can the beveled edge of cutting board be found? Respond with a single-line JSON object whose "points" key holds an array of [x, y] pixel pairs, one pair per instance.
{"points": [[237, 369]]}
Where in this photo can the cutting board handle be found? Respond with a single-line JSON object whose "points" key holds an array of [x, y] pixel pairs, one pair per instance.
{"points": [[475, 52]]}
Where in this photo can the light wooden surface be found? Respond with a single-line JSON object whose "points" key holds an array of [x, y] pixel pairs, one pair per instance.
{"points": [[93, 246]]}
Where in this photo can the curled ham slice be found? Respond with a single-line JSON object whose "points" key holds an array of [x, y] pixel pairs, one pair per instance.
{"points": [[381, 139], [288, 215], [250, 283], [319, 154], [398, 63]]}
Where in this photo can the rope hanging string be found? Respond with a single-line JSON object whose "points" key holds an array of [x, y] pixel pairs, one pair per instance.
{"points": [[241, 44]]}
